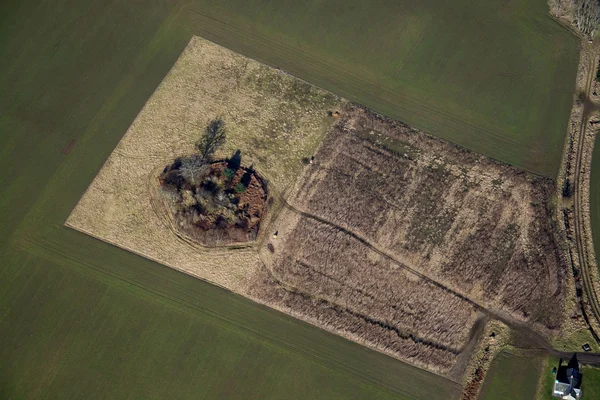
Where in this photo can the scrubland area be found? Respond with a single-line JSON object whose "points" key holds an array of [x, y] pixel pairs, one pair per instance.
{"points": [[398, 238], [332, 279], [481, 227]]}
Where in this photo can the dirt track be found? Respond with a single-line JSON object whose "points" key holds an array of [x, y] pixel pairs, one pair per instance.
{"points": [[580, 180]]}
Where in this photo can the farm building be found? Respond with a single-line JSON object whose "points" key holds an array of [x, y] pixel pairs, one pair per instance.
{"points": [[568, 380]]}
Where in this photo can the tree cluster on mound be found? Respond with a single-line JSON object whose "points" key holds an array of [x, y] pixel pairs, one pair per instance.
{"points": [[215, 201]]}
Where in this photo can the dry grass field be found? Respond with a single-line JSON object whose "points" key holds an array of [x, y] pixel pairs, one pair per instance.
{"points": [[480, 227], [275, 120], [398, 238]]}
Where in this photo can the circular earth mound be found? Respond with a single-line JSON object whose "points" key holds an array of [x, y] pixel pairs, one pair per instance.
{"points": [[216, 203]]}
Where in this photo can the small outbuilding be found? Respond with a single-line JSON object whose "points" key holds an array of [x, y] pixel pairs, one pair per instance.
{"points": [[586, 347], [567, 384]]}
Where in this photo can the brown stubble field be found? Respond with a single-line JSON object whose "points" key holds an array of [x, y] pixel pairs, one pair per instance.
{"points": [[334, 280], [398, 239]]}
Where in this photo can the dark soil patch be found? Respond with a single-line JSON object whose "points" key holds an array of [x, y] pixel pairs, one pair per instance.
{"points": [[68, 147]]}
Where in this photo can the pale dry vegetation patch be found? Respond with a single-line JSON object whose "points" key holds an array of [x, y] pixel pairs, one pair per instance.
{"points": [[582, 14], [348, 287], [275, 119]]}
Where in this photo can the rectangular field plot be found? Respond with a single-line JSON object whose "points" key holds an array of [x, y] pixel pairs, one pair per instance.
{"points": [[391, 238], [477, 226], [345, 286], [84, 319], [512, 376]]}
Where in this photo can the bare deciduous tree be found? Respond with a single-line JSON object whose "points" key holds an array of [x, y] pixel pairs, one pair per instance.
{"points": [[193, 168]]}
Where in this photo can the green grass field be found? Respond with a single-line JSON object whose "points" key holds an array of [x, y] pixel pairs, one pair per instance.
{"points": [[79, 318], [511, 377], [547, 378], [590, 383]]}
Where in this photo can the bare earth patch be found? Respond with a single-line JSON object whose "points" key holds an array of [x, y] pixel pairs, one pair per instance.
{"points": [[391, 238]]}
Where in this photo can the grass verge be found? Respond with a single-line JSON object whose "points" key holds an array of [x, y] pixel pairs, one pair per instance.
{"points": [[511, 376]]}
